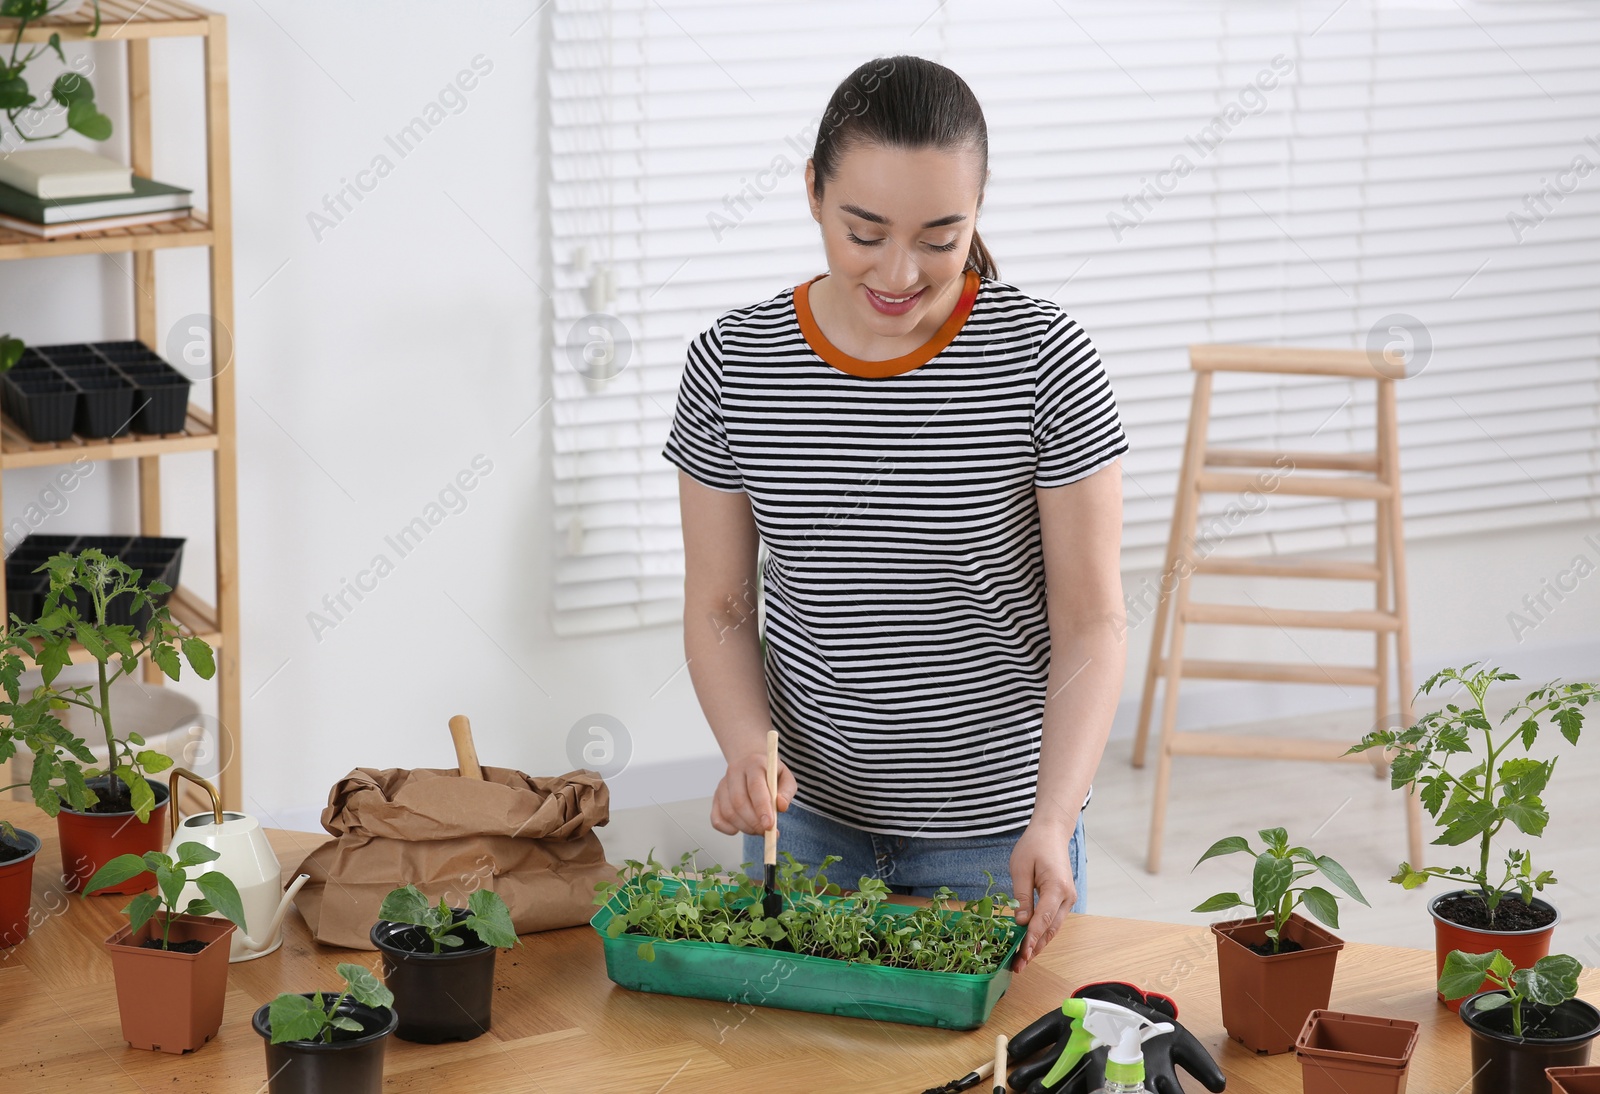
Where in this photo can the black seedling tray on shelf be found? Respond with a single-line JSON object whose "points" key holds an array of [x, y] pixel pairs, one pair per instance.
{"points": [[115, 388], [159, 558]]}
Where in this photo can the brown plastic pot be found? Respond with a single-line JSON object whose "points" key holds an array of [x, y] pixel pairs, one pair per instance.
{"points": [[90, 840], [1266, 1000], [1523, 948], [171, 1001], [1573, 1080], [16, 890], [1355, 1053]]}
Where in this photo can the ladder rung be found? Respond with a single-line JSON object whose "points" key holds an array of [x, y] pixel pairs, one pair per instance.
{"points": [[1208, 357], [1313, 461], [1228, 482], [1356, 675], [1288, 567], [1253, 615], [1245, 746]]}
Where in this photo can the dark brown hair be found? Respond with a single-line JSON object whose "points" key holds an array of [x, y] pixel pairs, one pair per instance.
{"points": [[911, 103]]}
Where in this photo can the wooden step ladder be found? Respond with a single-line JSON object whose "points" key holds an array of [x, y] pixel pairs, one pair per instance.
{"points": [[1373, 476]]}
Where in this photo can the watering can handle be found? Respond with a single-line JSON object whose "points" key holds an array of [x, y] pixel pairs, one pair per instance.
{"points": [[172, 788]]}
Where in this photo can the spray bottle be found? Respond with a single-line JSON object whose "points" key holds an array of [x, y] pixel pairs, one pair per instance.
{"points": [[1096, 1023]]}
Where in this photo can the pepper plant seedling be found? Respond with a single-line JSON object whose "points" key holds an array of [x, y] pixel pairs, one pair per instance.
{"points": [[1272, 885], [220, 894], [487, 917], [1548, 982], [1475, 804], [297, 1018]]}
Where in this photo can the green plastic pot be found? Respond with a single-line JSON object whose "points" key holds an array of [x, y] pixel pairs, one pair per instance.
{"points": [[775, 978]]}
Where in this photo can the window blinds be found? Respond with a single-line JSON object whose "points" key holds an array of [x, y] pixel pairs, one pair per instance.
{"points": [[1426, 176]]}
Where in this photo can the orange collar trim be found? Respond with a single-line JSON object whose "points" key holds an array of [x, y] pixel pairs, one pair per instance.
{"points": [[894, 366]]}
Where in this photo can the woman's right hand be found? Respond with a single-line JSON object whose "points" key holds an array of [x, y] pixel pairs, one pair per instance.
{"points": [[741, 803]]}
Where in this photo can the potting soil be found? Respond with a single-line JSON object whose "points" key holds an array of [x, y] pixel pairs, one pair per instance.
{"points": [[9, 851], [193, 945], [1264, 949], [1468, 910], [1538, 1023]]}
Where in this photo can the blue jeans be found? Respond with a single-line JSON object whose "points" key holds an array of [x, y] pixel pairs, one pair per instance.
{"points": [[912, 865]]}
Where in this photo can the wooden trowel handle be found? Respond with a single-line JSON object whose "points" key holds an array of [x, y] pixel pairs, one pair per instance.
{"points": [[770, 842], [466, 754]]}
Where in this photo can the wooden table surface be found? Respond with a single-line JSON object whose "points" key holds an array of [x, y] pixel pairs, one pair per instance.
{"points": [[561, 1025]]}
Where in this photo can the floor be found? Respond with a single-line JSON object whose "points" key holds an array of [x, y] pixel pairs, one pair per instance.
{"points": [[1335, 809]]}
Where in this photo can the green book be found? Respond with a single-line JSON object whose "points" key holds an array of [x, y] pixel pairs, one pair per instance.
{"points": [[148, 196]]}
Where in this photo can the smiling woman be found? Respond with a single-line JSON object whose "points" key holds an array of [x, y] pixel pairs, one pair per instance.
{"points": [[920, 446]]}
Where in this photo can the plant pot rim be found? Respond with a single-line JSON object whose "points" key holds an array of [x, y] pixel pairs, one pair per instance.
{"points": [[119, 939], [1227, 928], [1376, 1021], [378, 934], [38, 845], [1468, 1012], [1433, 911], [260, 1023], [161, 793]]}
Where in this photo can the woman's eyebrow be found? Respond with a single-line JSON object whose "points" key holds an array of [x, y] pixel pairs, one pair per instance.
{"points": [[858, 211]]}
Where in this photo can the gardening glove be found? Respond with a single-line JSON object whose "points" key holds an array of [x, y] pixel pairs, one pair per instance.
{"points": [[1162, 1052]]}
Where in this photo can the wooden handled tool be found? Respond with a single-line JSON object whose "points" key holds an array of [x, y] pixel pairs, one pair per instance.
{"points": [[771, 899], [1000, 1064], [466, 752]]}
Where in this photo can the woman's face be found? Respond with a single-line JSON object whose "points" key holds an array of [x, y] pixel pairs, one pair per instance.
{"points": [[896, 227]]}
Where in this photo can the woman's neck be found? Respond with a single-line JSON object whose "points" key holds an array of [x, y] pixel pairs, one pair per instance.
{"points": [[842, 327]]}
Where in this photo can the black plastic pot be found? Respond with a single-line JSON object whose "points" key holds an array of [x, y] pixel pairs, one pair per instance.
{"points": [[350, 1064], [42, 402], [161, 395], [105, 402], [440, 996], [1503, 1063]]}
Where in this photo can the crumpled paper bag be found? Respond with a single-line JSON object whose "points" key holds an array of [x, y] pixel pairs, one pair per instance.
{"points": [[529, 839]]}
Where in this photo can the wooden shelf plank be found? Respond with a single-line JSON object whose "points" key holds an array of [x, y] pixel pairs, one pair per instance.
{"points": [[119, 20], [17, 450], [190, 231]]}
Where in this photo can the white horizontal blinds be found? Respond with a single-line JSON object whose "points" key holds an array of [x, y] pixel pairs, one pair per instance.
{"points": [[1375, 177]]}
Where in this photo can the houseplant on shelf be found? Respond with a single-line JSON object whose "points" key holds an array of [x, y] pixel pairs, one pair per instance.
{"points": [[1277, 967], [71, 91], [1476, 803], [439, 962], [99, 814], [325, 1041], [171, 967], [1528, 1020], [18, 850], [10, 351]]}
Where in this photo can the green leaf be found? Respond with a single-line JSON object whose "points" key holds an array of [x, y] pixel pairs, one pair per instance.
{"points": [[1525, 778], [83, 117], [1221, 903], [171, 880], [1322, 904], [166, 659], [1570, 719], [53, 657], [140, 909], [1464, 973], [1432, 794], [1340, 878], [115, 872], [405, 905], [198, 906], [1271, 880], [1529, 816], [295, 1018], [199, 656], [1407, 878], [339, 1021], [364, 987], [1552, 980], [224, 897], [1403, 768], [71, 87], [90, 641], [152, 761], [647, 951], [1530, 732], [1275, 838], [490, 919], [14, 94], [139, 791], [1467, 820], [1226, 846]]}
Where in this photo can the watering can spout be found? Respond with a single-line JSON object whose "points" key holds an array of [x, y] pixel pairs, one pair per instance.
{"points": [[268, 937]]}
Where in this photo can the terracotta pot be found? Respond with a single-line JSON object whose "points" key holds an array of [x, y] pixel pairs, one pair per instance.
{"points": [[1355, 1053], [90, 840], [440, 997], [1265, 1000], [16, 891], [1522, 947], [353, 1066], [1503, 1063], [171, 1001], [1573, 1080]]}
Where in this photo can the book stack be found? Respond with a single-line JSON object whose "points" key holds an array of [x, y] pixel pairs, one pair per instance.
{"points": [[50, 192]]}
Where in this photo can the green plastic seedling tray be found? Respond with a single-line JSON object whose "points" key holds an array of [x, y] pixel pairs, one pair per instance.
{"points": [[821, 985]]}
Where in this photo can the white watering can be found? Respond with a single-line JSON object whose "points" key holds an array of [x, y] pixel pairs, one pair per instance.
{"points": [[246, 858]]}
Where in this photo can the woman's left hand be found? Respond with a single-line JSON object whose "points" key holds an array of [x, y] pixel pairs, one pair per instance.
{"points": [[1042, 860]]}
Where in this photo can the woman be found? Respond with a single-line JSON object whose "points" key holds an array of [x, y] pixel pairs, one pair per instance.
{"points": [[924, 449]]}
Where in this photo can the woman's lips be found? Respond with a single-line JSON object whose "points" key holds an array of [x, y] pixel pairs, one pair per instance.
{"points": [[887, 308]]}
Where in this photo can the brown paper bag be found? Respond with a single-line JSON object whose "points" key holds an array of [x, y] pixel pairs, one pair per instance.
{"points": [[529, 839]]}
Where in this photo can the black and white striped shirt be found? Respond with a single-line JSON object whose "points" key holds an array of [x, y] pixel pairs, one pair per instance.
{"points": [[907, 639]]}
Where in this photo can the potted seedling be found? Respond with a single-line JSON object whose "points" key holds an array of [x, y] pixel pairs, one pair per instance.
{"points": [[1355, 1053], [679, 931], [171, 967], [100, 814], [1530, 1019], [320, 1042], [1460, 764], [1277, 967], [439, 961], [18, 850]]}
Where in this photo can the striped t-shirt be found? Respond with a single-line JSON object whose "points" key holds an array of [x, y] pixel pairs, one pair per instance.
{"points": [[907, 638]]}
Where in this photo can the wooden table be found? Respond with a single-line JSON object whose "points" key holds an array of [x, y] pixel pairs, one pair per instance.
{"points": [[560, 1025]]}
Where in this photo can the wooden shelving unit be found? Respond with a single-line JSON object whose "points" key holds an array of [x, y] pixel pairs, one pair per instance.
{"points": [[215, 619]]}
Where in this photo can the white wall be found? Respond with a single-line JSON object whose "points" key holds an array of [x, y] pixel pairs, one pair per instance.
{"points": [[376, 363]]}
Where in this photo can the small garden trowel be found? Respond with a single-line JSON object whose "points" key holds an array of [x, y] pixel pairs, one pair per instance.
{"points": [[771, 899]]}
